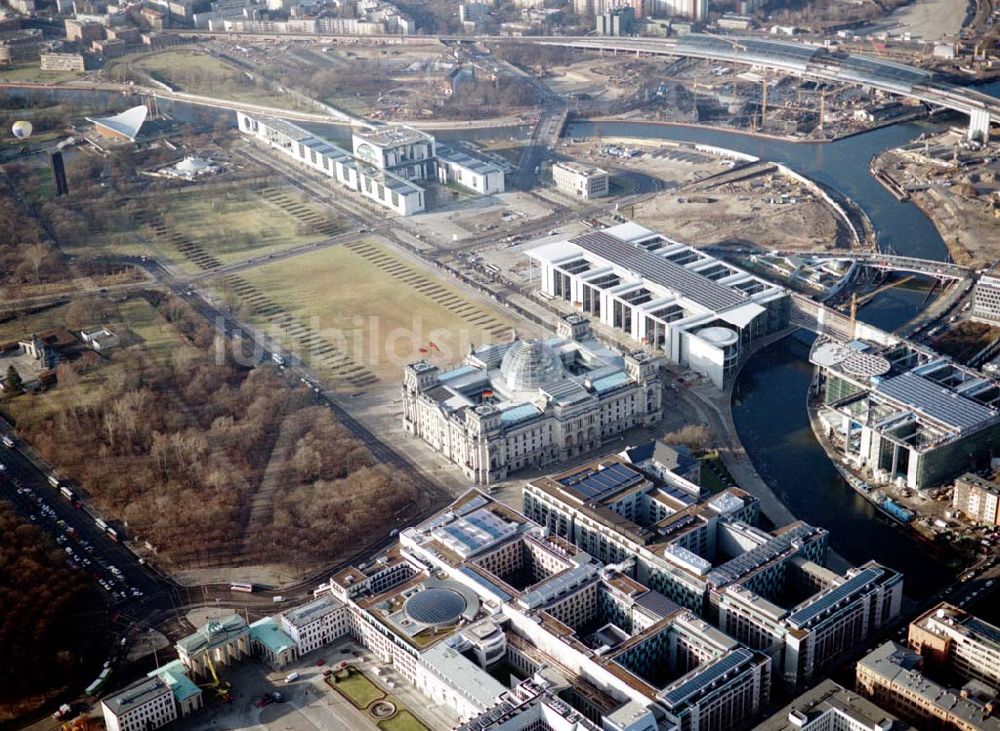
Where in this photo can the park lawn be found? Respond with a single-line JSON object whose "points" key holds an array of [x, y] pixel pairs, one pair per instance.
{"points": [[230, 224], [402, 721], [200, 73], [358, 689], [379, 320], [231, 229], [160, 339], [32, 74]]}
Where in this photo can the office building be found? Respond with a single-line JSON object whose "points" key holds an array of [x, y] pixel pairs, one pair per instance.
{"points": [[986, 297], [831, 707], [144, 705], [807, 617], [661, 460], [377, 184], [315, 624], [768, 590], [892, 677], [533, 704], [188, 697], [386, 164], [902, 413], [401, 150], [952, 640], [469, 171], [529, 403], [699, 311], [977, 499], [580, 181], [486, 585]]}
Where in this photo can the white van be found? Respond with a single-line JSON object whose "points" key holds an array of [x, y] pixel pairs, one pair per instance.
{"points": [[292, 677]]}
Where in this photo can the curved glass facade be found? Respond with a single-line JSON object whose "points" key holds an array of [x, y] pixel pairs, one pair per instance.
{"points": [[530, 364]]}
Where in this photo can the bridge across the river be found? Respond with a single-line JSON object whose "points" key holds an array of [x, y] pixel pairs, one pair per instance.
{"points": [[806, 60]]}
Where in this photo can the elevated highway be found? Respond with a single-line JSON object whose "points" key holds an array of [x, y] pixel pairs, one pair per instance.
{"points": [[808, 61]]}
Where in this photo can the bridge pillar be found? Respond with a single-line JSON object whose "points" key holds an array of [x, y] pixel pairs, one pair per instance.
{"points": [[979, 125]]}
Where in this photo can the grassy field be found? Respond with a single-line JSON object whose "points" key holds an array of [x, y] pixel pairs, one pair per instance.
{"points": [[355, 687], [31, 73], [377, 308], [402, 721], [200, 73], [224, 224]]}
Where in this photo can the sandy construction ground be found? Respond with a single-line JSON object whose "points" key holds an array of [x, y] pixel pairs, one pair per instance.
{"points": [[927, 20]]}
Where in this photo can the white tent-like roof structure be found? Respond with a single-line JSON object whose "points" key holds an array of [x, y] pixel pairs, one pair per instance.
{"points": [[126, 124]]}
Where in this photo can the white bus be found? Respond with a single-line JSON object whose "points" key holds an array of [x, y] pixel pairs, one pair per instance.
{"points": [[101, 524], [66, 493], [54, 481], [245, 588], [7, 441]]}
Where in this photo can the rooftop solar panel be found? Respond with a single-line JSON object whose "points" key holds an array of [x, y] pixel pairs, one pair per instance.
{"points": [[661, 271], [808, 613], [559, 584], [936, 402], [984, 629], [597, 485], [704, 677], [740, 566]]}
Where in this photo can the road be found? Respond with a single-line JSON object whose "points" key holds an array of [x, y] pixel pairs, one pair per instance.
{"points": [[87, 546]]}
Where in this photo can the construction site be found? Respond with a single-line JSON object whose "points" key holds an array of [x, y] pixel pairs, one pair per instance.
{"points": [[692, 91], [956, 183]]}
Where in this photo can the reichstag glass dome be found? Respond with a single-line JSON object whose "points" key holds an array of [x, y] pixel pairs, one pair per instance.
{"points": [[529, 364]]}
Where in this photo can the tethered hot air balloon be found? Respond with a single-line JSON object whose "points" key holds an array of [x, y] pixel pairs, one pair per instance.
{"points": [[21, 130]]}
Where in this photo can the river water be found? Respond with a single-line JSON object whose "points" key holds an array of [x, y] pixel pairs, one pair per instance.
{"points": [[769, 401], [769, 397]]}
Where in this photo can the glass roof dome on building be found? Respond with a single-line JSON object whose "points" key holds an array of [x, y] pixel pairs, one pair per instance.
{"points": [[530, 364], [436, 606]]}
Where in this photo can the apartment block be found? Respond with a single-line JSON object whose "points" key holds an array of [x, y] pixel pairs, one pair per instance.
{"points": [[977, 499]]}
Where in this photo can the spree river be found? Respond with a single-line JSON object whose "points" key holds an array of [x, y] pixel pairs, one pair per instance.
{"points": [[769, 401], [769, 398]]}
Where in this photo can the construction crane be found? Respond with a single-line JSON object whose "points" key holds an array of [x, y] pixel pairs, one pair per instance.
{"points": [[222, 688]]}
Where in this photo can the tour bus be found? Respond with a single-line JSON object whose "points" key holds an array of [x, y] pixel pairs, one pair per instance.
{"points": [[112, 534], [54, 481], [100, 524], [7, 441], [246, 588], [66, 493]]}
